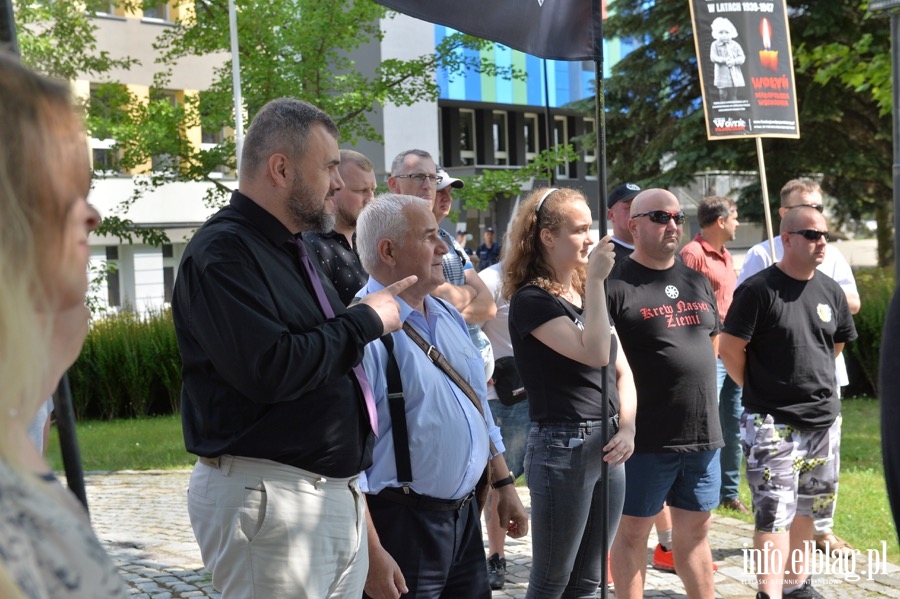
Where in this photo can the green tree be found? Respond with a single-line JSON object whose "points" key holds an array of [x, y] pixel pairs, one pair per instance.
{"points": [[301, 49], [58, 39], [655, 130]]}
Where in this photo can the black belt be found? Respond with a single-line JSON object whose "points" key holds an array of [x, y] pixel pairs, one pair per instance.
{"points": [[423, 502]]}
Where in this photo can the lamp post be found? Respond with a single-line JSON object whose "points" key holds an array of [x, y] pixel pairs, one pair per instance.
{"points": [[885, 6]]}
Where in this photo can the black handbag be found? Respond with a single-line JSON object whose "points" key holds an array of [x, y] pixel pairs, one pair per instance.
{"points": [[507, 382]]}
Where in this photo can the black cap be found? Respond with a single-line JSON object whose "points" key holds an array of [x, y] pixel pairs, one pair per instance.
{"points": [[622, 193], [489, 230]]}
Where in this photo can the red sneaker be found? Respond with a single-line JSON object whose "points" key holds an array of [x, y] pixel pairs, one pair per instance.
{"points": [[663, 560]]}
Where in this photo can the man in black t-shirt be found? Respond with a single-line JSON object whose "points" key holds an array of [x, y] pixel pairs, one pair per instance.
{"points": [[783, 330], [666, 317]]}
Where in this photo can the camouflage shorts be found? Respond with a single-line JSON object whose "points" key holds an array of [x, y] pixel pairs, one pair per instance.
{"points": [[790, 471]]}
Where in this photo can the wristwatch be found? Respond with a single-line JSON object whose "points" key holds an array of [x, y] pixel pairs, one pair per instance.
{"points": [[510, 479]]}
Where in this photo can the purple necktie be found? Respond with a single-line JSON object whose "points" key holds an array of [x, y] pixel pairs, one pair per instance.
{"points": [[358, 371]]}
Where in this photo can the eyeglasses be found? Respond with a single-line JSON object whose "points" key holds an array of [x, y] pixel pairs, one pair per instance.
{"points": [[812, 234], [662, 217], [420, 178], [818, 207]]}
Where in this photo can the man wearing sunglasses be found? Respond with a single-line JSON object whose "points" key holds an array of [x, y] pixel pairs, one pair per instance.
{"points": [[785, 326], [806, 192], [666, 317]]}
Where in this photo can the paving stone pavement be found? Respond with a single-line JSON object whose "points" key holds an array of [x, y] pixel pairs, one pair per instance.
{"points": [[141, 518]]}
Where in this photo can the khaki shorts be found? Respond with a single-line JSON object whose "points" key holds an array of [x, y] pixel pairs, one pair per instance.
{"points": [[790, 471]]}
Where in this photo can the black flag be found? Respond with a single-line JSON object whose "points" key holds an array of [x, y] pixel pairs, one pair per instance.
{"points": [[554, 29]]}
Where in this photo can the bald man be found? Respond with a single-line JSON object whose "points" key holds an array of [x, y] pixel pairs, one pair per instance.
{"points": [[785, 326], [666, 317]]}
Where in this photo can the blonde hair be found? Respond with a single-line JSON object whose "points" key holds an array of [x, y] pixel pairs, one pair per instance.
{"points": [[43, 145], [524, 260]]}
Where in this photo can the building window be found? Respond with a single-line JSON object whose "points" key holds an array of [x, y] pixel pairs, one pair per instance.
{"points": [[158, 11], [104, 157], [500, 130], [561, 138], [467, 132], [113, 286], [590, 148], [108, 9], [532, 136]]}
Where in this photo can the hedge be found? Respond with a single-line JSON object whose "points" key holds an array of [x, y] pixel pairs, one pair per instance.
{"points": [[876, 285], [129, 367]]}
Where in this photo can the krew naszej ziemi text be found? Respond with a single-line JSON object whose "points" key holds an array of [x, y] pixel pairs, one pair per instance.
{"points": [[762, 562]]}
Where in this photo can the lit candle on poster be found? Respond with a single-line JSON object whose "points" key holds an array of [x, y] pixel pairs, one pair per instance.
{"points": [[768, 58]]}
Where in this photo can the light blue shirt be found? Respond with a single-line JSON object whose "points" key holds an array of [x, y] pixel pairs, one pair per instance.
{"points": [[448, 438]]}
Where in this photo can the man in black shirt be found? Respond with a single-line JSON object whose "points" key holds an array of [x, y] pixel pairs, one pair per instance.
{"points": [[271, 403], [336, 250], [785, 326], [666, 318]]}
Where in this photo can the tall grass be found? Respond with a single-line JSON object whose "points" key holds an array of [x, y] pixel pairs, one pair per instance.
{"points": [[129, 367]]}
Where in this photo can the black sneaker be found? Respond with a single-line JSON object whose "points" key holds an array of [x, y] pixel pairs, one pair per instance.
{"points": [[805, 592], [496, 566]]}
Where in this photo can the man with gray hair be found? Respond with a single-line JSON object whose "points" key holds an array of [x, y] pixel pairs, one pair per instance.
{"points": [[424, 527], [274, 403]]}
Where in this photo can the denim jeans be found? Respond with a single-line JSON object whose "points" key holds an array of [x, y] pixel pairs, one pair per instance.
{"points": [[730, 411], [562, 467], [514, 425]]}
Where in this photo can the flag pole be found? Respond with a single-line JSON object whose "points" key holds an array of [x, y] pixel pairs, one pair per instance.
{"points": [[236, 84], [600, 145], [765, 196]]}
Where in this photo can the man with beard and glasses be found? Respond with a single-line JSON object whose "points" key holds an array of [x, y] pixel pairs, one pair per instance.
{"points": [[336, 249], [275, 403]]}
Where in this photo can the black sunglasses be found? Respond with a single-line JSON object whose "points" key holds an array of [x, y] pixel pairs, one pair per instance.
{"points": [[818, 207], [662, 217], [812, 234]]}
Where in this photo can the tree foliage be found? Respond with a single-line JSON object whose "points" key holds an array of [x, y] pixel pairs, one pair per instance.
{"points": [[488, 185], [58, 39], [655, 130]]}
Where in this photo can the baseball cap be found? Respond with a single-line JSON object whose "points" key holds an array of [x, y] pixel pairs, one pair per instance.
{"points": [[489, 229], [622, 193], [447, 180]]}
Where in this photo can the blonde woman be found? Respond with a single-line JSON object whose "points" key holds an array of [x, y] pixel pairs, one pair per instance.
{"points": [[47, 547], [561, 339]]}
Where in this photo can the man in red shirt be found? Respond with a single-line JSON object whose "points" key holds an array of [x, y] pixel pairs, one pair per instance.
{"points": [[707, 254]]}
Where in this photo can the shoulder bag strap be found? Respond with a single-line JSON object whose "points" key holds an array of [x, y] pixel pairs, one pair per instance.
{"points": [[438, 359]]}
